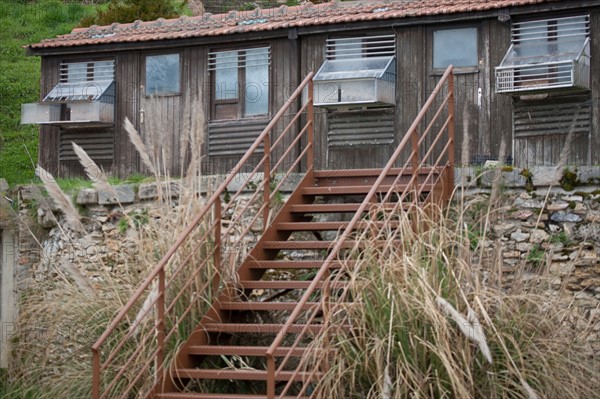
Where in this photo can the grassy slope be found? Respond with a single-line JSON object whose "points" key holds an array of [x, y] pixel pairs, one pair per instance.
{"points": [[24, 23]]}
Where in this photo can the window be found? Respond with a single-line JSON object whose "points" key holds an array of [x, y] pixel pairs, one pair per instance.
{"points": [[455, 46], [357, 71], [84, 96], [546, 54], [89, 80], [240, 83], [162, 74]]}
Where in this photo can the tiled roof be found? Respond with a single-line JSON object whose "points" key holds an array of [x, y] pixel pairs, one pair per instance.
{"points": [[271, 19]]}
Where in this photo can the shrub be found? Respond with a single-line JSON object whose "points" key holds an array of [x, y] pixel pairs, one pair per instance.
{"points": [[427, 322], [125, 11]]}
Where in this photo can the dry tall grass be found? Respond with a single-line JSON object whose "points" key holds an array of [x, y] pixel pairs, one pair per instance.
{"points": [[427, 323], [61, 317]]}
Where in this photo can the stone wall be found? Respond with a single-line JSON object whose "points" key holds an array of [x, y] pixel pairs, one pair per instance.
{"points": [[555, 234], [553, 237]]}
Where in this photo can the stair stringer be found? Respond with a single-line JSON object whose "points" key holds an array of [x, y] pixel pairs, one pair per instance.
{"points": [[183, 359]]}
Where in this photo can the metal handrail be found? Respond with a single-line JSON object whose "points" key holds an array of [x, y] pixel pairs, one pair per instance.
{"points": [[213, 205], [410, 137]]}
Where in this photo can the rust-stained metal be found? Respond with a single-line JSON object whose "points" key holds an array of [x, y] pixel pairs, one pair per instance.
{"points": [[425, 175], [108, 369], [342, 241]]}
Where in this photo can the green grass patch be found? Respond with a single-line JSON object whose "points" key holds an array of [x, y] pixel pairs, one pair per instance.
{"points": [[24, 23]]}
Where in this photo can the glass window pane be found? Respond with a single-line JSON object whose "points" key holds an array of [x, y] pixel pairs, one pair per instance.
{"points": [[257, 82], [76, 72], [162, 74], [103, 70], [348, 48], [455, 46], [226, 75]]}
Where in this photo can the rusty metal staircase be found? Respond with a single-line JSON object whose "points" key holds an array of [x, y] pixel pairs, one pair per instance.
{"points": [[261, 310]]}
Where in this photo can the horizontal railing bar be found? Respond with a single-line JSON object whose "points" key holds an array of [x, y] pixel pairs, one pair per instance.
{"points": [[339, 243], [123, 368], [143, 369], [289, 171], [435, 117], [112, 326], [291, 146], [132, 330], [436, 140], [289, 125], [186, 285]]}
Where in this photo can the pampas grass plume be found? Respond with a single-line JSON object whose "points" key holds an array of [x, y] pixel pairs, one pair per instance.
{"points": [[469, 326], [137, 142], [93, 171], [63, 202]]}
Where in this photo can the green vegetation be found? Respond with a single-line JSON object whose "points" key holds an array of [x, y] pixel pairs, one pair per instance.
{"points": [[125, 11], [560, 238], [536, 256], [569, 180], [528, 176], [24, 23], [427, 323]]}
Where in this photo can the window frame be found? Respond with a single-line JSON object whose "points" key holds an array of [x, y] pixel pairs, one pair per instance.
{"points": [[457, 70], [144, 74], [337, 73], [88, 61], [239, 102], [570, 72]]}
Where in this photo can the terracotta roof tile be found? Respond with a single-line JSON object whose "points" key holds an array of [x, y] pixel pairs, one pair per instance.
{"points": [[271, 19]]}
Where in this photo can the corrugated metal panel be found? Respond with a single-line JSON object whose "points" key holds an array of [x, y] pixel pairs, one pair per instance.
{"points": [[98, 143], [361, 47], [87, 71], [233, 138], [552, 119], [229, 59], [364, 127]]}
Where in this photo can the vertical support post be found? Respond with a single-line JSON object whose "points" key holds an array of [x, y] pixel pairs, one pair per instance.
{"points": [[451, 160], [217, 254], [270, 377], [267, 180], [160, 328], [415, 165], [310, 113], [95, 373]]}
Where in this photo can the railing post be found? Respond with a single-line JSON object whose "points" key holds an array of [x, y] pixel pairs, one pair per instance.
{"points": [[95, 373], [270, 377], [217, 238], [267, 179], [160, 328], [451, 160], [310, 132], [415, 165]]}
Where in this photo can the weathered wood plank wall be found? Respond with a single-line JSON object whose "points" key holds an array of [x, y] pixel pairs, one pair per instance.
{"points": [[127, 77], [49, 136], [595, 81], [484, 119]]}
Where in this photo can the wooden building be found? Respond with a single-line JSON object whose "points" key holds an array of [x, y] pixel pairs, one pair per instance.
{"points": [[527, 82]]}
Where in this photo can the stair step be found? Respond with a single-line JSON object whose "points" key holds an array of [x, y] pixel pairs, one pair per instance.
{"points": [[282, 245], [319, 174], [283, 284], [242, 374], [256, 328], [358, 189], [302, 245], [320, 226], [335, 208], [243, 350], [194, 395], [294, 264], [269, 306]]}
